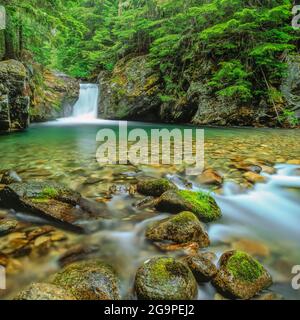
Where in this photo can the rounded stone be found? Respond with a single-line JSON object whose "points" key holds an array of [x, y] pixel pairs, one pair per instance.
{"points": [[165, 279]]}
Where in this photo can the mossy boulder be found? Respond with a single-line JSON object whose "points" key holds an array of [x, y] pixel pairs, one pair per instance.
{"points": [[183, 228], [241, 276], [165, 279], [155, 187], [44, 291], [48, 200], [203, 268], [89, 280], [201, 204]]}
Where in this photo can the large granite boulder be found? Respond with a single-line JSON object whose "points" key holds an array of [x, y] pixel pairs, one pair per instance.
{"points": [[241, 276], [130, 92]]}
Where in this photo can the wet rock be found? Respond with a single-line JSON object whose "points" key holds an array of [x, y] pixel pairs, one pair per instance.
{"points": [[201, 204], [12, 266], [268, 169], [89, 280], [248, 167], [10, 177], [210, 177], [44, 291], [78, 253], [202, 267], [187, 248], [48, 200], [183, 228], [240, 276], [254, 177], [7, 226], [155, 187], [270, 296], [165, 279]]}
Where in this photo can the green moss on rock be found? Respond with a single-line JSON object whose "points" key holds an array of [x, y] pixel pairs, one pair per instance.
{"points": [[155, 187], [200, 203], [89, 280], [241, 276], [165, 279], [244, 267]]}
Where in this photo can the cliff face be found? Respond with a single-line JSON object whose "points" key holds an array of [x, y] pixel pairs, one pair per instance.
{"points": [[14, 96], [32, 93], [291, 85], [53, 95], [133, 91]]}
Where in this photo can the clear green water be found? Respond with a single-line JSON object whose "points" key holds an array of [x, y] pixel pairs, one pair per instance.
{"points": [[66, 153]]}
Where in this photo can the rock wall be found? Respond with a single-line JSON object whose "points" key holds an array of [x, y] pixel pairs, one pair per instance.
{"points": [[14, 97], [29, 92], [133, 91], [291, 85], [53, 94]]}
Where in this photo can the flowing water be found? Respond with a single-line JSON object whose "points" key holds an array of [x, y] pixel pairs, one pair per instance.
{"points": [[86, 108], [264, 220]]}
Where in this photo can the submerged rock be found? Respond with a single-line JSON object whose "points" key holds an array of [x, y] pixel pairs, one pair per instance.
{"points": [[44, 291], [201, 204], [165, 279], [210, 177], [203, 268], [254, 177], [49, 200], [89, 280], [7, 226], [240, 276], [155, 187], [183, 228], [10, 177]]}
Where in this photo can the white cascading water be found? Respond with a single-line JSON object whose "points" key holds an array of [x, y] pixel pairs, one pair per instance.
{"points": [[86, 108]]}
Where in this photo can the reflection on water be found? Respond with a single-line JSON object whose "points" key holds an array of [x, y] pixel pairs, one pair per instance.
{"points": [[264, 220]]}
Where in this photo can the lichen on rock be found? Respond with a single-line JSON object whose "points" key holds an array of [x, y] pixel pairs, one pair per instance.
{"points": [[201, 204]]}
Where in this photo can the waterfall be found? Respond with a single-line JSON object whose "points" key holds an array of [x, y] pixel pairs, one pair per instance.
{"points": [[86, 108]]}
